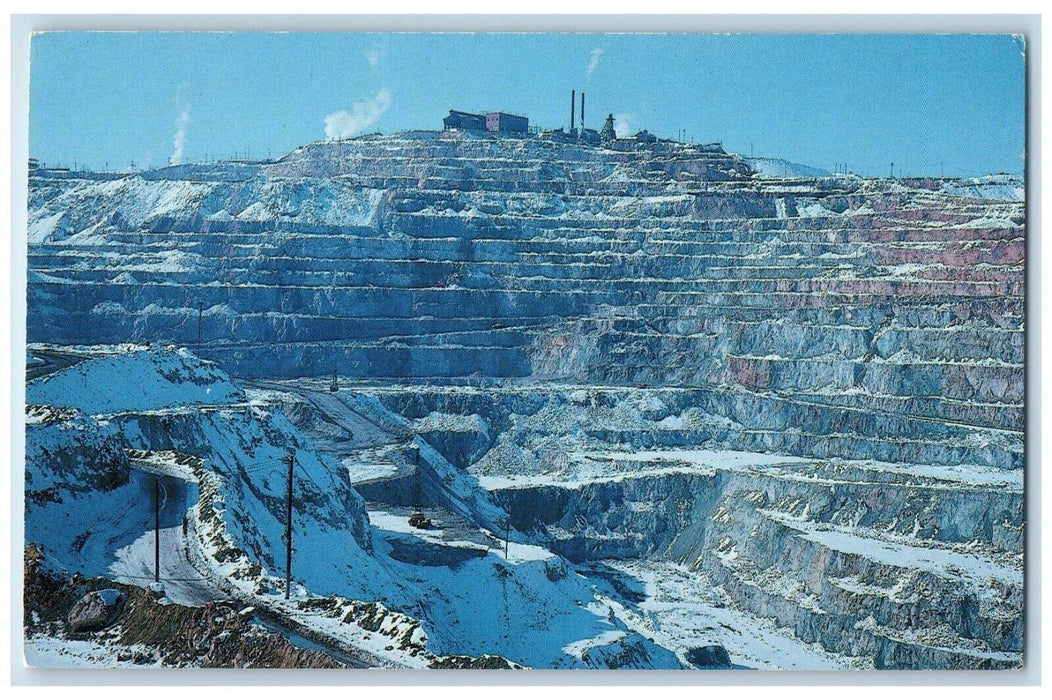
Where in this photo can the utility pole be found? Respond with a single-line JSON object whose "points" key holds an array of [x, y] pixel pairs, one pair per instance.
{"points": [[200, 313], [156, 529], [416, 469], [288, 528], [893, 170]]}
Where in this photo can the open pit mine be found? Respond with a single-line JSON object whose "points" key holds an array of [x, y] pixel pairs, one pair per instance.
{"points": [[530, 403]]}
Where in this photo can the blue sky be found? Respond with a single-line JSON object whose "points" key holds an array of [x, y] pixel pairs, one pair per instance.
{"points": [[950, 103]]}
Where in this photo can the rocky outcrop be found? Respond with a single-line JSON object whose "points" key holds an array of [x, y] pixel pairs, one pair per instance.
{"points": [[96, 610], [146, 632], [712, 656], [864, 559]]}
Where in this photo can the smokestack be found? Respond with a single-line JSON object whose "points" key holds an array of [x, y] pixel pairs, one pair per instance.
{"points": [[582, 112], [573, 103]]}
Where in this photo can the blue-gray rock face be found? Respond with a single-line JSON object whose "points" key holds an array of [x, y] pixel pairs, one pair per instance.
{"points": [[909, 564], [427, 255], [808, 392]]}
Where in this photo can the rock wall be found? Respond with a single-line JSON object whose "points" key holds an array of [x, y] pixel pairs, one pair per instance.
{"points": [[424, 256], [603, 303], [912, 563], [912, 572]]}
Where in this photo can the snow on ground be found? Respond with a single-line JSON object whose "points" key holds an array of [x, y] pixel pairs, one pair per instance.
{"points": [[361, 471], [137, 381], [391, 523], [681, 610], [777, 167], [943, 638], [589, 467], [86, 206], [82, 531], [450, 422], [83, 212], [595, 467], [43, 651], [183, 584], [470, 598], [525, 606], [959, 474], [43, 226], [1000, 187], [583, 478], [110, 532], [941, 561]]}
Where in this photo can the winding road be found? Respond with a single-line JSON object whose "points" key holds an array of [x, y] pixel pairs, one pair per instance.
{"points": [[134, 563]]}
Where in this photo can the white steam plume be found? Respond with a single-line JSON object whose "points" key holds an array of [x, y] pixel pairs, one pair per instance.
{"points": [[593, 62], [372, 55], [344, 124], [179, 138], [622, 125]]}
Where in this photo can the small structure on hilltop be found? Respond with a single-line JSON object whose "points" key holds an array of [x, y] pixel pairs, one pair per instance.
{"points": [[499, 122], [464, 120], [645, 136], [505, 123]]}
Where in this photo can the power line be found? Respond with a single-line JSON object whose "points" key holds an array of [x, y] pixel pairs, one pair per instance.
{"points": [[200, 313], [150, 578]]}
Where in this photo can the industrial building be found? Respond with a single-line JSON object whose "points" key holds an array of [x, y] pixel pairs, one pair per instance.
{"points": [[500, 122], [464, 120], [507, 123]]}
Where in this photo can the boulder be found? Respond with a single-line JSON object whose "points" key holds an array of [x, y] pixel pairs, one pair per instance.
{"points": [[96, 610], [711, 656]]}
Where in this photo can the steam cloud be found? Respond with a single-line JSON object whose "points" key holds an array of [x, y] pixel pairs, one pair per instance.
{"points": [[372, 55], [179, 138], [344, 124], [622, 125], [593, 62]]}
